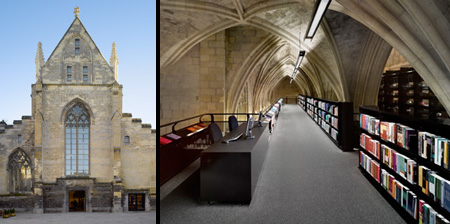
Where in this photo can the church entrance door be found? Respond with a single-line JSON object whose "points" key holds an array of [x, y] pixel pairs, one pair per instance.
{"points": [[77, 201], [136, 202]]}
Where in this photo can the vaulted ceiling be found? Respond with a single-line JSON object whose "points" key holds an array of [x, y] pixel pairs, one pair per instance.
{"points": [[346, 57]]}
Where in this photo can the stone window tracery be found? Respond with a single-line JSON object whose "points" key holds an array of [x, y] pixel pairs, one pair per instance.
{"points": [[77, 141], [19, 166]]}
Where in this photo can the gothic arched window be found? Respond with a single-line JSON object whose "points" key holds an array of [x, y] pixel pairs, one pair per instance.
{"points": [[19, 166], [77, 141]]}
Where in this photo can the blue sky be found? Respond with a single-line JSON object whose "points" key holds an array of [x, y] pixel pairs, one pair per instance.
{"points": [[131, 24]]}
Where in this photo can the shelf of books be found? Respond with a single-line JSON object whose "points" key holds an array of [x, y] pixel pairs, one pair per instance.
{"points": [[407, 160], [404, 92], [335, 119], [302, 101]]}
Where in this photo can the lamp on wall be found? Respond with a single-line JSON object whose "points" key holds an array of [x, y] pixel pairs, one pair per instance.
{"points": [[319, 12]]}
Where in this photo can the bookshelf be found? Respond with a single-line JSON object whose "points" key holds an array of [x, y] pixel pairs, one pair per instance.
{"points": [[407, 161], [404, 92], [302, 101], [334, 118]]}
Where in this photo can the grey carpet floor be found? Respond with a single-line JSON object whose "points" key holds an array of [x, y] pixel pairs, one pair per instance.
{"points": [[305, 179]]}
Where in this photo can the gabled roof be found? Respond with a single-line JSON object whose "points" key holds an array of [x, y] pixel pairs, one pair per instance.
{"points": [[89, 36]]}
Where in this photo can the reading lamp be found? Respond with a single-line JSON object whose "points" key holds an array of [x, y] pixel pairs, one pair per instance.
{"points": [[319, 12]]}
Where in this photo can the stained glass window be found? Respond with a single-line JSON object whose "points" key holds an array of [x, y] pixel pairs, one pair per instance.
{"points": [[77, 141]]}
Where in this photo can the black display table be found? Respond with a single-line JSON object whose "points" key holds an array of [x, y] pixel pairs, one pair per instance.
{"points": [[229, 172]]}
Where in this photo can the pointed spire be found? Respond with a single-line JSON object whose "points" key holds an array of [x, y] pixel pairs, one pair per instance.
{"points": [[114, 62], [39, 60], [76, 11]]}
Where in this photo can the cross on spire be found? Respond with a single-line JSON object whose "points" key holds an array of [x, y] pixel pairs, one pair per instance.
{"points": [[76, 11]]}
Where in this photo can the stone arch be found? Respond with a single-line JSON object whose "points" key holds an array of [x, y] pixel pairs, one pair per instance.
{"points": [[20, 171], [71, 104], [18, 150]]}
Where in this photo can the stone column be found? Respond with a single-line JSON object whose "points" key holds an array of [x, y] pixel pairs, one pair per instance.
{"points": [[38, 198], [117, 200]]}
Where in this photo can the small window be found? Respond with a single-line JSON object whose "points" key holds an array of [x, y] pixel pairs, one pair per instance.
{"points": [[77, 42], [69, 73], [19, 139], [85, 71], [77, 51], [127, 140], [85, 78]]}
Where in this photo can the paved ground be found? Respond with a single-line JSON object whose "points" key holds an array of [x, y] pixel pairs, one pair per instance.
{"points": [[82, 218]]}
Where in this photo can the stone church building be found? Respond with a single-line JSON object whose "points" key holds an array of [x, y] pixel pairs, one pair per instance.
{"points": [[78, 151]]}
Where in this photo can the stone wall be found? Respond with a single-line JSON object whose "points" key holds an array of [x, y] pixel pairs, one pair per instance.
{"points": [[9, 142], [138, 157], [284, 89], [180, 88], [102, 197], [19, 203], [212, 74], [56, 101]]}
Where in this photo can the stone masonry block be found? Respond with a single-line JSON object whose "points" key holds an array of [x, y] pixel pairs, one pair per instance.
{"points": [[204, 70], [205, 98], [211, 106], [220, 64], [216, 84], [220, 77], [215, 43], [220, 51], [210, 64], [207, 91], [204, 58], [204, 84]]}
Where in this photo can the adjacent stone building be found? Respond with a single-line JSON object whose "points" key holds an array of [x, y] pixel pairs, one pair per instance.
{"points": [[78, 151]]}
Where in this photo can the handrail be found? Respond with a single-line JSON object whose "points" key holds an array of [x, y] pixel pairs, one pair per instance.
{"points": [[200, 118], [174, 123]]}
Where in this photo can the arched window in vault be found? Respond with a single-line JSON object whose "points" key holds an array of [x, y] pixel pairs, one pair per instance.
{"points": [[19, 166], [77, 141]]}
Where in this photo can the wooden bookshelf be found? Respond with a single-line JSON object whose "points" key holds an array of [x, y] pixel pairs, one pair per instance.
{"points": [[404, 92], [334, 118], [438, 127]]}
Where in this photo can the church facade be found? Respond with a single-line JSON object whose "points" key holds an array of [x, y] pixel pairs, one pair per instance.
{"points": [[77, 151]]}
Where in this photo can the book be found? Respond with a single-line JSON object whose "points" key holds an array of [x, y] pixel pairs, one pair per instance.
{"points": [[173, 136], [421, 204], [411, 135], [438, 188], [447, 195], [414, 211], [446, 143], [164, 141], [398, 192], [439, 150], [426, 213], [411, 174], [404, 203], [431, 185], [433, 214], [400, 138], [384, 130], [392, 133], [386, 154], [401, 165]]}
